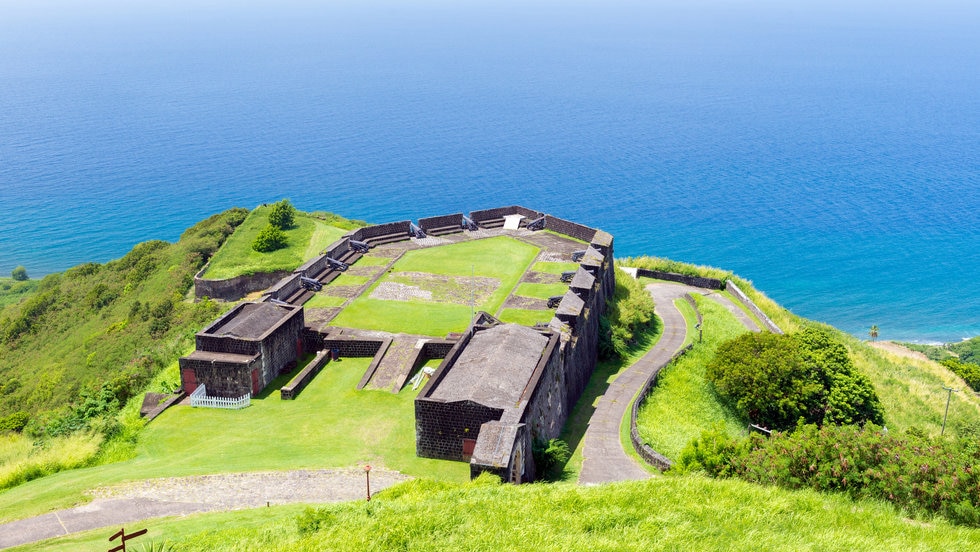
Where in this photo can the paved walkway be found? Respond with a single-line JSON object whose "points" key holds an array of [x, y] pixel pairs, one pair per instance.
{"points": [[180, 496], [604, 459]]}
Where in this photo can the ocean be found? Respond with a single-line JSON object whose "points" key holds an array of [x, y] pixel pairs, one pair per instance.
{"points": [[825, 150]]}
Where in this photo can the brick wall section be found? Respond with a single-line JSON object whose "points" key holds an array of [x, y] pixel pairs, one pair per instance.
{"points": [[223, 379], [440, 426], [429, 223], [318, 264], [737, 292], [569, 228], [391, 228], [284, 288], [234, 289], [696, 281], [226, 344], [279, 349], [352, 348]]}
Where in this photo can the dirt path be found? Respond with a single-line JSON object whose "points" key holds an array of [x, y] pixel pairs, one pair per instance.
{"points": [[178, 496], [896, 349]]}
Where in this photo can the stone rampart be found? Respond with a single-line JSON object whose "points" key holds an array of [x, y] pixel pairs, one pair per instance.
{"points": [[499, 212], [289, 391], [696, 281], [388, 229], [284, 288], [233, 289], [737, 292], [430, 223], [569, 228]]}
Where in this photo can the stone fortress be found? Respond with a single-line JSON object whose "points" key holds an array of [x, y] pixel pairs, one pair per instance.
{"points": [[499, 387]]}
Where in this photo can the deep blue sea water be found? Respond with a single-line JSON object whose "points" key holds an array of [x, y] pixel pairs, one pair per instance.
{"points": [[826, 150]]}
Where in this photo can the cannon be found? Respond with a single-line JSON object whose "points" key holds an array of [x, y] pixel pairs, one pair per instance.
{"points": [[359, 246], [275, 301], [311, 284], [577, 255], [536, 224], [468, 223], [567, 276], [415, 231], [337, 265], [554, 300]]}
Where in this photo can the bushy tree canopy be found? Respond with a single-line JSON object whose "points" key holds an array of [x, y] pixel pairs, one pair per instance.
{"points": [[777, 380], [19, 274], [283, 214], [270, 238]]}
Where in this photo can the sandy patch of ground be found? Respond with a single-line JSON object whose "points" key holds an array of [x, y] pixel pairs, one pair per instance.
{"points": [[898, 350], [435, 288]]}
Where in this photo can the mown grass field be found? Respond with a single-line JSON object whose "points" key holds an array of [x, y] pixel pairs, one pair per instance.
{"points": [[683, 403], [673, 513], [330, 424], [526, 317], [307, 238], [502, 259]]}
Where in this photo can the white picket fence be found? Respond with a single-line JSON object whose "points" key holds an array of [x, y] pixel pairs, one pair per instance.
{"points": [[200, 398]]}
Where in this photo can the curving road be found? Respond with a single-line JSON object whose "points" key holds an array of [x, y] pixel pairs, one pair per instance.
{"points": [[604, 459]]}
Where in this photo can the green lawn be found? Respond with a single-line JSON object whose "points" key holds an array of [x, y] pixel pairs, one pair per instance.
{"points": [[683, 403], [673, 513], [236, 257], [540, 291], [322, 300], [503, 259], [330, 424], [549, 267], [526, 317]]}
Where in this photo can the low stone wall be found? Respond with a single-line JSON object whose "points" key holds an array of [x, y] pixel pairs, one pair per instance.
{"points": [[284, 288], [378, 355], [391, 228], [737, 292], [289, 391], [569, 228], [651, 456], [490, 214], [235, 288], [696, 281], [456, 219]]}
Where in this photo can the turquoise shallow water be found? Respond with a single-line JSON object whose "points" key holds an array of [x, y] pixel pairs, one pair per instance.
{"points": [[827, 151]]}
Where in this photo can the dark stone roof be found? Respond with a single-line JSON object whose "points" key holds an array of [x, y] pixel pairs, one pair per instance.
{"points": [[571, 305], [494, 368], [495, 444], [251, 320]]}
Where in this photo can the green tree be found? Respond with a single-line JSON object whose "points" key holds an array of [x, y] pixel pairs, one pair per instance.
{"points": [[873, 332], [283, 214], [19, 274], [269, 239]]}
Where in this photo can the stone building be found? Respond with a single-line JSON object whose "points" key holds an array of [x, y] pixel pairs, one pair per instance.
{"points": [[244, 350], [504, 387]]}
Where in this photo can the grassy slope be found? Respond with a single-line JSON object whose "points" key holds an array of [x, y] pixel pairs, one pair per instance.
{"points": [[13, 291], [502, 258], [683, 404], [90, 333], [689, 513], [307, 238], [330, 424]]}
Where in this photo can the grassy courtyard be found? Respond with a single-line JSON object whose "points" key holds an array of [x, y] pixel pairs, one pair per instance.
{"points": [[434, 291]]}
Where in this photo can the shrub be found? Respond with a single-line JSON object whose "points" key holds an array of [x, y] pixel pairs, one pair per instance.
{"points": [[14, 422], [550, 457], [778, 380], [969, 371], [711, 453], [914, 472], [269, 239], [19, 274], [629, 311], [282, 215]]}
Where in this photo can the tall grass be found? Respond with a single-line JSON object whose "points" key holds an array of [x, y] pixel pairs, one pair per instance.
{"points": [[21, 460]]}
